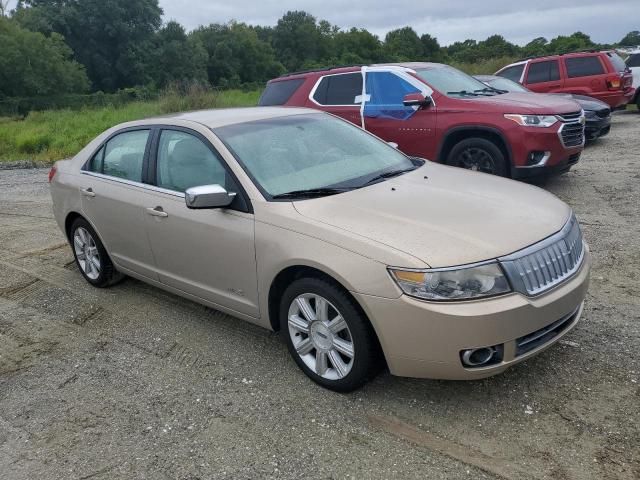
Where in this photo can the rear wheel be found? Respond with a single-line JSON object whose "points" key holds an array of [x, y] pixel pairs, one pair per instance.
{"points": [[480, 155], [329, 339], [91, 257]]}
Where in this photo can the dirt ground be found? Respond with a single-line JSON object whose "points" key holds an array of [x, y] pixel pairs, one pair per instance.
{"points": [[131, 382]]}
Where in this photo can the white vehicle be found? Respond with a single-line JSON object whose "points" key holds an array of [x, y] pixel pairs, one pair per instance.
{"points": [[633, 62]]}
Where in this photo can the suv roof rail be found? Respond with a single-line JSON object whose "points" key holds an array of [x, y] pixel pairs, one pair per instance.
{"points": [[589, 50], [323, 69]]}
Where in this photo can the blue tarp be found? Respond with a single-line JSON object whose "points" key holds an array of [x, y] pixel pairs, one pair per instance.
{"points": [[386, 91]]}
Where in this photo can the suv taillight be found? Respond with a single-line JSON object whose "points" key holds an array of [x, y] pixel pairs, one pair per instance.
{"points": [[52, 172], [614, 82]]}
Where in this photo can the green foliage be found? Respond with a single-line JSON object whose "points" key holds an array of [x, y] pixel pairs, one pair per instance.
{"points": [[297, 39], [403, 44], [110, 38], [631, 39], [54, 134], [32, 64]]}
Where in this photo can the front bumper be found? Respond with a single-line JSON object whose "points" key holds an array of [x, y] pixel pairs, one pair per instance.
{"points": [[597, 127], [424, 339]]}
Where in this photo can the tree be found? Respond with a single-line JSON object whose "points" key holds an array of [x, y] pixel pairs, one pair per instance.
{"points": [[631, 39], [431, 49], [110, 38], [535, 48], [297, 39], [4, 8], [236, 55], [574, 42], [176, 57], [403, 44], [32, 64], [356, 46]]}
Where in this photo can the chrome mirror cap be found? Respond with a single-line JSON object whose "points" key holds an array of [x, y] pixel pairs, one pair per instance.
{"points": [[208, 196]]}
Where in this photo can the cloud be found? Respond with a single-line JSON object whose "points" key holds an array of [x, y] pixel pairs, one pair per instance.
{"points": [[450, 21]]}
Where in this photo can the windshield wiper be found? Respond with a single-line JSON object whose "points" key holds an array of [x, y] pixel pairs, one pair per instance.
{"points": [[490, 90], [311, 192], [464, 92], [389, 174]]}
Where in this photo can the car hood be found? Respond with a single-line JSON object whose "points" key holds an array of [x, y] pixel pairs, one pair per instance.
{"points": [[526, 103], [444, 216], [587, 103]]}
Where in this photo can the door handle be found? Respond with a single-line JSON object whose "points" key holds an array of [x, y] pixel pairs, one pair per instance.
{"points": [[157, 212], [88, 192]]}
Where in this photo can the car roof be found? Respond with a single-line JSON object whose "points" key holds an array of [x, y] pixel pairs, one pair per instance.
{"points": [[221, 117], [355, 68]]}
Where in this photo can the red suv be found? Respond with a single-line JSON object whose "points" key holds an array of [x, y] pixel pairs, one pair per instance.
{"points": [[601, 75], [435, 111]]}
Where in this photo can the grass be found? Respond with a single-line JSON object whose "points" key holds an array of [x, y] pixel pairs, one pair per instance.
{"points": [[56, 134]]}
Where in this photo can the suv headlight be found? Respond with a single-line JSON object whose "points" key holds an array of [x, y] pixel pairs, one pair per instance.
{"points": [[457, 283], [532, 120]]}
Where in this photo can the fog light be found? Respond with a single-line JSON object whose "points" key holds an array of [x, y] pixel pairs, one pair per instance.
{"points": [[481, 357], [537, 158]]}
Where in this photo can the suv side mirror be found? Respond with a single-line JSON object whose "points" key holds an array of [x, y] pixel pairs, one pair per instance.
{"points": [[208, 196], [416, 100]]}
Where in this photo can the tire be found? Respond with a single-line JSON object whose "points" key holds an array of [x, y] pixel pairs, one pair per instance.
{"points": [[91, 257], [311, 339], [478, 154]]}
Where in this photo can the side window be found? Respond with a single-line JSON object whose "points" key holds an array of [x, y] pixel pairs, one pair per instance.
{"points": [[122, 156], [513, 73], [279, 93], [184, 161], [339, 89], [547, 71], [583, 66], [633, 60], [385, 92]]}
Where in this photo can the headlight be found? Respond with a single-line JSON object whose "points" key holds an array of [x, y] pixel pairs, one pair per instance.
{"points": [[458, 283], [532, 120]]}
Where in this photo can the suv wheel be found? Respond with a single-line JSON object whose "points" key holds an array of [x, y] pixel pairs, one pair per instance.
{"points": [[91, 257], [478, 154], [329, 339]]}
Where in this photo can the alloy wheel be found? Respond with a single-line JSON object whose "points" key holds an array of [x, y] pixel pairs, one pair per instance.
{"points": [[477, 159], [321, 336], [87, 253]]}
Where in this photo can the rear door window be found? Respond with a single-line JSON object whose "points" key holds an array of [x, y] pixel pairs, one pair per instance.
{"points": [[341, 89], [279, 93], [633, 60], [547, 71], [616, 61], [583, 66], [122, 156], [513, 73], [385, 93]]}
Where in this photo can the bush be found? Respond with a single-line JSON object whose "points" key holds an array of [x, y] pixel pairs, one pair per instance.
{"points": [[32, 143]]}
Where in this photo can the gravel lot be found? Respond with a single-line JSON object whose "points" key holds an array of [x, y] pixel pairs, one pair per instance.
{"points": [[131, 382]]}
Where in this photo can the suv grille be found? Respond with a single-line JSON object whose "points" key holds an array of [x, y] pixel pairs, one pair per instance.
{"points": [[572, 132], [548, 263]]}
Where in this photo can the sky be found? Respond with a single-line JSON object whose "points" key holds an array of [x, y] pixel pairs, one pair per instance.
{"points": [[606, 21]]}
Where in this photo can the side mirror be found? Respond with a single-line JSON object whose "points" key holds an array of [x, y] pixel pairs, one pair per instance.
{"points": [[416, 100], [208, 196]]}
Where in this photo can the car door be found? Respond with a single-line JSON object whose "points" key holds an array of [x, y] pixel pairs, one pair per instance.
{"points": [[544, 76], [412, 128], [114, 197], [339, 94], [208, 253]]}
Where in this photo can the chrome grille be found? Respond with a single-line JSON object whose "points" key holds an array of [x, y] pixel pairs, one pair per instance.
{"points": [[572, 131], [548, 263]]}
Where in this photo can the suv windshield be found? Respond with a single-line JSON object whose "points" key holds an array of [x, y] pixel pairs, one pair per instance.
{"points": [[452, 82], [313, 154]]}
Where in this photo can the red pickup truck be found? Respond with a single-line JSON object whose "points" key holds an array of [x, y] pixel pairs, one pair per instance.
{"points": [[438, 112]]}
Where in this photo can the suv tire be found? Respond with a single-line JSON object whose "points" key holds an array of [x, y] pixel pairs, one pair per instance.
{"points": [[341, 355], [478, 154]]}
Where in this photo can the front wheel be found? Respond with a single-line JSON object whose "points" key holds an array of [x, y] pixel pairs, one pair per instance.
{"points": [[480, 155], [328, 337]]}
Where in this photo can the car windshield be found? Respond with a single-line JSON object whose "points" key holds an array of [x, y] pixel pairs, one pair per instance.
{"points": [[452, 82], [311, 152], [507, 85]]}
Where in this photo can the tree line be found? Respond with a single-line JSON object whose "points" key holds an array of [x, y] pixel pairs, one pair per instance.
{"points": [[50, 47]]}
